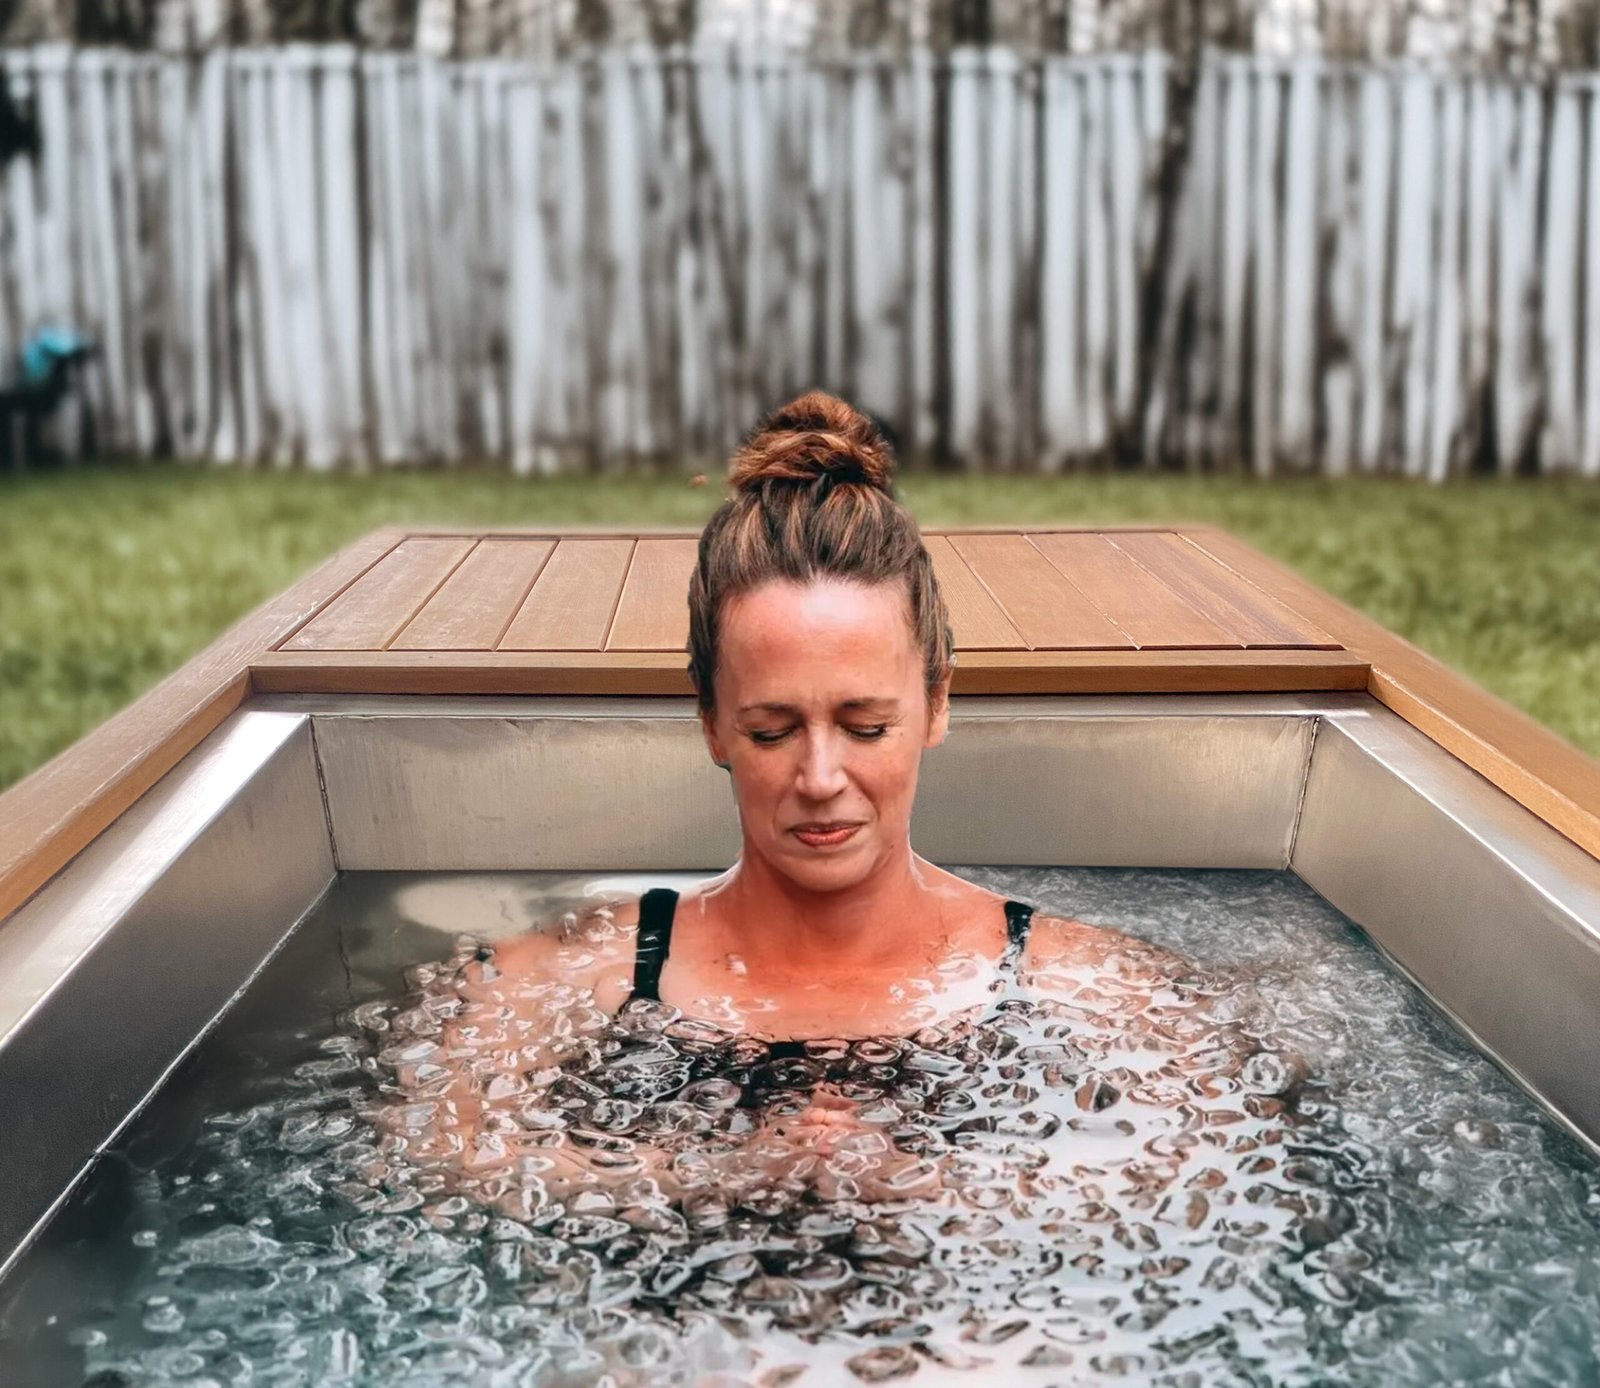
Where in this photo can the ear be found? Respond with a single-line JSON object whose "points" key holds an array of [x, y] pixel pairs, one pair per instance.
{"points": [[939, 709], [708, 730]]}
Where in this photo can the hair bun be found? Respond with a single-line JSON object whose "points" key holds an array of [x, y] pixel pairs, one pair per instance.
{"points": [[814, 435]]}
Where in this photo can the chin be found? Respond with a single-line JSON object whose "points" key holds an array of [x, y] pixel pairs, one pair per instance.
{"points": [[833, 880], [826, 874]]}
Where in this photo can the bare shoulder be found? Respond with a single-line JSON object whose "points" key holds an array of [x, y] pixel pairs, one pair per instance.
{"points": [[1062, 942]]}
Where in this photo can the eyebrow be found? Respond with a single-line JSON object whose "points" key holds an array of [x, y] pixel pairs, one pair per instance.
{"points": [[871, 705]]}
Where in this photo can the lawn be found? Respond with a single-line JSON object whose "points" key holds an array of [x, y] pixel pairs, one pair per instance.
{"points": [[112, 576]]}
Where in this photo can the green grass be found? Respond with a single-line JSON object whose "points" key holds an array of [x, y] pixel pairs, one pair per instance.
{"points": [[112, 576]]}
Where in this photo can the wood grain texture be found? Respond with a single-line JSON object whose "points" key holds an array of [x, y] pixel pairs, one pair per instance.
{"points": [[570, 607], [1249, 616], [1140, 604], [47, 818], [663, 672], [1048, 612], [1538, 769], [653, 612], [976, 619], [474, 606], [337, 256], [670, 532], [377, 607]]}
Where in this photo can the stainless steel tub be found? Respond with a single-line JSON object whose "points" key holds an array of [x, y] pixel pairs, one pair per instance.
{"points": [[112, 972]]}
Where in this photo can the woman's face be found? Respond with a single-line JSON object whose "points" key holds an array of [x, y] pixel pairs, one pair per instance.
{"points": [[822, 716]]}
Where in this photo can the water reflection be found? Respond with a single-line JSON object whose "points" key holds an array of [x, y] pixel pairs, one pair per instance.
{"points": [[1116, 1175]]}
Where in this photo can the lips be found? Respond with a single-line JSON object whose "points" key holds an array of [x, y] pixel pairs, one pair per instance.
{"points": [[825, 834]]}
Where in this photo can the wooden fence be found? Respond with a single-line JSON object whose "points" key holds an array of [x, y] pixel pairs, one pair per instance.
{"points": [[325, 257]]}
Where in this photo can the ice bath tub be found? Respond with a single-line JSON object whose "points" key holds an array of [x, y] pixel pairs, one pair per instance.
{"points": [[450, 703]]}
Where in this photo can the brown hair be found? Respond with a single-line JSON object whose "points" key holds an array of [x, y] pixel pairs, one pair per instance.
{"points": [[813, 496]]}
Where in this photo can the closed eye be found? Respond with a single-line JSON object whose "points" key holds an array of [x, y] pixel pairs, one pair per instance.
{"points": [[770, 739]]}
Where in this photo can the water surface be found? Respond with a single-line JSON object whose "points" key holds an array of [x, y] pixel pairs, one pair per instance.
{"points": [[1282, 1169]]}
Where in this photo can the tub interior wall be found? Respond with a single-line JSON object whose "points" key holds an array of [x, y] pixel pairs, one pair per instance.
{"points": [[1017, 782], [1492, 913], [112, 972], [296, 787]]}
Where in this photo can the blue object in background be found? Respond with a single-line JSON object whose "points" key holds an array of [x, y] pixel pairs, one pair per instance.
{"points": [[49, 350], [42, 375]]}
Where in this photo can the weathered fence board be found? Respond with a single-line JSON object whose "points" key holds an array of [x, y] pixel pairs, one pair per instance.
{"points": [[1589, 323], [321, 257]]}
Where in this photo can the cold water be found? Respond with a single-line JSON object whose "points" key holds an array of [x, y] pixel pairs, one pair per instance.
{"points": [[1275, 1166]]}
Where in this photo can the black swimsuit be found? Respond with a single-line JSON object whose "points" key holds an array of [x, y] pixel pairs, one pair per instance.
{"points": [[658, 906]]}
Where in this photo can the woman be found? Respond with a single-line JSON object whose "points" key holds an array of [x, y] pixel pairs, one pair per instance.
{"points": [[821, 654], [837, 1090]]}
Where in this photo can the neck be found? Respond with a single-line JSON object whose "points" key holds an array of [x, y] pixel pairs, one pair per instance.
{"points": [[880, 920]]}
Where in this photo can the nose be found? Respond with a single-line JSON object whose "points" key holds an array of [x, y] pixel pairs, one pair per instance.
{"points": [[821, 774]]}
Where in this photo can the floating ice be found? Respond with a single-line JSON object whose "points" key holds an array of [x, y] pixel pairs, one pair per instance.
{"points": [[1278, 1167]]}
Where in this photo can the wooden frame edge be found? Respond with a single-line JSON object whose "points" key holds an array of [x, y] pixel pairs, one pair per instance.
{"points": [[57, 810], [49, 816], [682, 532], [664, 672], [1536, 767]]}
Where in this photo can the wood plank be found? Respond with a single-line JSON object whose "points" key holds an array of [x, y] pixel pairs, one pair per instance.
{"points": [[977, 620], [1094, 277], [663, 672], [374, 610], [571, 605], [1061, 412], [1249, 616], [1540, 770], [668, 532], [1302, 285], [1445, 436], [1234, 251], [1265, 261], [653, 612], [1375, 159], [1044, 607], [1140, 604], [1589, 455], [475, 605], [50, 816], [1560, 328], [1338, 224], [1518, 392]]}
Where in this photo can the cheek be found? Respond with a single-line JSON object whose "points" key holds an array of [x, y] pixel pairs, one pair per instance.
{"points": [[887, 775], [905, 769], [762, 776]]}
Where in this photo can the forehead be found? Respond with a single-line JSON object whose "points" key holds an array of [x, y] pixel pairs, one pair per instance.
{"points": [[783, 637]]}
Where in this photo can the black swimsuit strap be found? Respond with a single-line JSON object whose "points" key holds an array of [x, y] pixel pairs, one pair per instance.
{"points": [[652, 941], [1019, 917]]}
